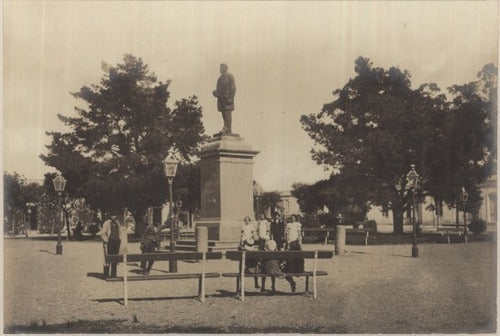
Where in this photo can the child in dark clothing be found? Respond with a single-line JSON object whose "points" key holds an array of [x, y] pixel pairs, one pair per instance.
{"points": [[294, 265]]}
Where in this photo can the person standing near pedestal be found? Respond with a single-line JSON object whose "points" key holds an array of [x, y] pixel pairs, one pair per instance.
{"points": [[293, 232], [263, 231], [278, 230], [225, 92]]}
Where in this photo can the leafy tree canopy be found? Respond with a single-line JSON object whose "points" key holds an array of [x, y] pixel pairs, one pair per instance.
{"points": [[377, 125], [112, 156]]}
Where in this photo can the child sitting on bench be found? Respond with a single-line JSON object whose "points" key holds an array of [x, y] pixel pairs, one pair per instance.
{"points": [[271, 267]]}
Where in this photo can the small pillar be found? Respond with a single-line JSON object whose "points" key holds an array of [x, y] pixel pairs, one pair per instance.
{"points": [[340, 240], [201, 239]]}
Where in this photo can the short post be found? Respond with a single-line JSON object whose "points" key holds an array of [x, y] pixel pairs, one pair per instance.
{"points": [[315, 266], [125, 284], [242, 275], [204, 260], [201, 239], [340, 240]]}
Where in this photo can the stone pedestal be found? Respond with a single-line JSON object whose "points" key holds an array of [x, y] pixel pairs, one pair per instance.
{"points": [[226, 187]]}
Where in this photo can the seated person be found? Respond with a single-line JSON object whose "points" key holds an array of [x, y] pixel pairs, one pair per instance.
{"points": [[271, 267], [248, 242]]}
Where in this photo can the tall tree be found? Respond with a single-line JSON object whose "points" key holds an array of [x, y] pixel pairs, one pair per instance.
{"points": [[17, 193], [471, 150], [112, 155], [340, 194], [269, 200], [375, 128]]}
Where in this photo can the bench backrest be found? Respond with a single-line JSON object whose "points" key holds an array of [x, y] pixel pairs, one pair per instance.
{"points": [[117, 258], [318, 229], [281, 255]]}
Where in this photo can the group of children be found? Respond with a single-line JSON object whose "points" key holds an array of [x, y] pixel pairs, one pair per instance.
{"points": [[277, 235]]}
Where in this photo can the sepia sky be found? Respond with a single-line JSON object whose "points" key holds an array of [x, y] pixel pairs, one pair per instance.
{"points": [[286, 57]]}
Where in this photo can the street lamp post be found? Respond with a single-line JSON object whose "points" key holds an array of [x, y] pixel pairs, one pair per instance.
{"points": [[29, 207], [170, 167], [59, 184], [465, 197], [412, 178]]}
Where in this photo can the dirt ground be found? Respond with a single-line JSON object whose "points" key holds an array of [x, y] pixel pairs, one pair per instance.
{"points": [[370, 289]]}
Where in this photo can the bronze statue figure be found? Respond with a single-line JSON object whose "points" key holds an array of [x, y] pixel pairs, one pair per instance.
{"points": [[225, 97]]}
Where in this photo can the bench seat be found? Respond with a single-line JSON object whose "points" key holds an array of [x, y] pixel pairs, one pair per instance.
{"points": [[452, 231], [164, 277], [242, 256], [163, 256]]}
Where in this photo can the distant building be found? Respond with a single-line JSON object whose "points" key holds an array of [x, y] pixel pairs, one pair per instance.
{"points": [[488, 210], [288, 203], [427, 216], [287, 206]]}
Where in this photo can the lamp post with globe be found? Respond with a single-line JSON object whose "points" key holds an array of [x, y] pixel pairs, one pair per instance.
{"points": [[465, 198], [59, 185], [170, 168], [412, 177]]}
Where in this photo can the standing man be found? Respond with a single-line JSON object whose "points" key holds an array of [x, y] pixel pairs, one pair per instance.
{"points": [[278, 230], [150, 243], [225, 92], [110, 234]]}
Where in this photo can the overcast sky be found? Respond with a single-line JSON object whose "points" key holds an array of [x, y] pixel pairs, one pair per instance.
{"points": [[286, 57]]}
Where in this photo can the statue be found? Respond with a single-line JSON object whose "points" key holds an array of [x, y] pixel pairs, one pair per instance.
{"points": [[225, 97]]}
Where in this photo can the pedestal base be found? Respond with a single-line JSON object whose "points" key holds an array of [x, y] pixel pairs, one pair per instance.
{"points": [[226, 180]]}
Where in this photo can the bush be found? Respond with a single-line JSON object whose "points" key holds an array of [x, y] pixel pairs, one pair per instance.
{"points": [[327, 219], [477, 226], [371, 225], [309, 221]]}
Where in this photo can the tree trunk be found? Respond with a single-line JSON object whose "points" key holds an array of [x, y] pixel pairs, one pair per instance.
{"points": [[66, 218], [397, 215], [139, 222], [457, 215]]}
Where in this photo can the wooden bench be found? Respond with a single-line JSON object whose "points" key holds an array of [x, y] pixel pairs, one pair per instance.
{"points": [[365, 232], [242, 256], [327, 232], [451, 229], [162, 256]]}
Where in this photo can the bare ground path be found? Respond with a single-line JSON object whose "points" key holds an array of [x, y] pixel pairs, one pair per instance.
{"points": [[371, 289]]}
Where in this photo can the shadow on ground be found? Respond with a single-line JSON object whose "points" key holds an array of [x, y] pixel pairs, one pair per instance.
{"points": [[134, 326], [47, 251]]}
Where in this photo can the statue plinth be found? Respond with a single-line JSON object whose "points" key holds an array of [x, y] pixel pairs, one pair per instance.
{"points": [[226, 168]]}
